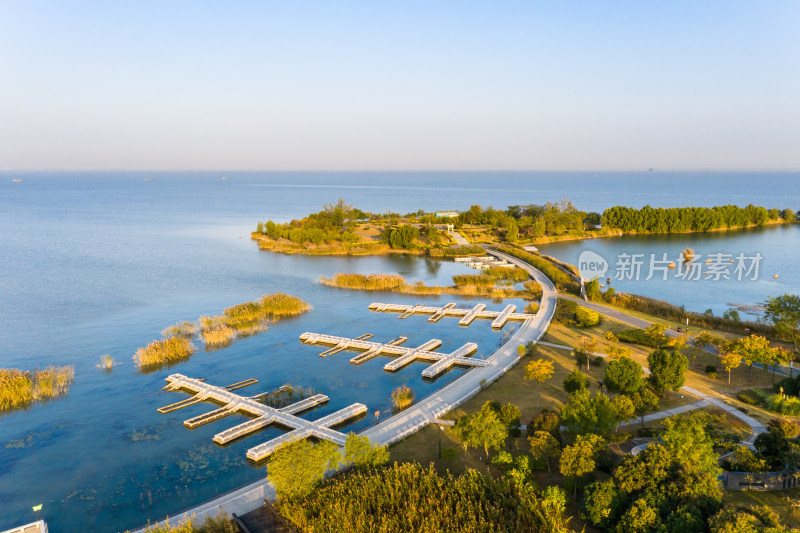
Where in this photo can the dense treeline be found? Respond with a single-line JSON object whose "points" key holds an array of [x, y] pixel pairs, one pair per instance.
{"points": [[329, 225], [681, 219], [408, 497]]}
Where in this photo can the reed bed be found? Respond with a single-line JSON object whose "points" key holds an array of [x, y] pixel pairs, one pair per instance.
{"points": [[474, 280], [366, 282], [512, 275], [785, 405], [402, 397], [185, 329], [20, 388], [456, 251], [354, 249], [163, 351], [249, 318]]}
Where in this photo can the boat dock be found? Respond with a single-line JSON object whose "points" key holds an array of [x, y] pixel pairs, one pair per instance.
{"points": [[467, 316], [404, 355], [263, 415]]}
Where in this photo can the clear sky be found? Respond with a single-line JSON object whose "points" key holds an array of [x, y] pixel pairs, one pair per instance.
{"points": [[399, 85]]}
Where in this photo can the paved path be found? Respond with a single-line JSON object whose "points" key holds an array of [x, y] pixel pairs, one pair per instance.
{"points": [[426, 411], [457, 392], [460, 240]]}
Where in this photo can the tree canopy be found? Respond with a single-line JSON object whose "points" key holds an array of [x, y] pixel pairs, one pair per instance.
{"points": [[623, 375]]}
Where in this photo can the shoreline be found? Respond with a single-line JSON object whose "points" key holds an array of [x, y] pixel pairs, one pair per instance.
{"points": [[398, 426]]}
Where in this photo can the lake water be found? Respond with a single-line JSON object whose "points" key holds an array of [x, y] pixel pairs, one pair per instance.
{"points": [[97, 263]]}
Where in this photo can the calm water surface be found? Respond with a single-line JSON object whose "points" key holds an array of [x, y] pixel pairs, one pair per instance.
{"points": [[98, 263]]}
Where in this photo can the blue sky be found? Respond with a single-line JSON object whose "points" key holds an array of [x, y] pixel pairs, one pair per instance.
{"points": [[399, 85]]}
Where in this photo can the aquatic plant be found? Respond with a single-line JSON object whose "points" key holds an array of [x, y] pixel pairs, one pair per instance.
{"points": [[285, 395], [181, 329], [19, 388], [402, 397], [106, 363], [457, 251], [163, 351], [474, 280], [366, 282]]}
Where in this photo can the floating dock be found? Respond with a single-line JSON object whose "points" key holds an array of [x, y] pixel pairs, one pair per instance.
{"points": [[467, 316], [263, 415], [404, 355]]}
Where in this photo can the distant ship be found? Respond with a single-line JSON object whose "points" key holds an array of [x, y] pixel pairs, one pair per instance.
{"points": [[148, 179], [16, 180], [223, 178]]}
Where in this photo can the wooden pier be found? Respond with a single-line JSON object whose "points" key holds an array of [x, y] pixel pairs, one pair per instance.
{"points": [[263, 415], [467, 316], [404, 355]]}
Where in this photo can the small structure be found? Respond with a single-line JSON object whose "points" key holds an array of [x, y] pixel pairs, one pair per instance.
{"points": [[34, 527], [446, 214], [405, 356], [263, 415], [466, 316], [762, 481]]}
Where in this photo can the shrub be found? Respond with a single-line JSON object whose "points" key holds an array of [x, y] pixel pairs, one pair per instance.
{"points": [[598, 361], [710, 369], [531, 308], [565, 312], [609, 336], [712, 375], [163, 351], [748, 396], [576, 380], [402, 397], [637, 336], [545, 421], [785, 405], [521, 350], [586, 317], [790, 386], [788, 428], [619, 437]]}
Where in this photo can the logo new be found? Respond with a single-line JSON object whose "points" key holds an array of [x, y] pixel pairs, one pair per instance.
{"points": [[591, 265]]}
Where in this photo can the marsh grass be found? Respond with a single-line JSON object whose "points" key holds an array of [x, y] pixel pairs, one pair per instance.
{"points": [[366, 282], [393, 282], [402, 397], [457, 251], [474, 280], [20, 388], [249, 318], [185, 329], [163, 351]]}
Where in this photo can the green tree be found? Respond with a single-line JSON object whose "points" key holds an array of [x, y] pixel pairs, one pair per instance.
{"points": [[483, 428], [575, 380], [667, 370], [753, 349], [295, 468], [359, 451], [623, 375], [644, 400], [584, 413], [586, 317], [544, 447], [578, 459], [623, 408]]}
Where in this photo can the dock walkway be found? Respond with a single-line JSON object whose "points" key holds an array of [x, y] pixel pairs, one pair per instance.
{"points": [[466, 316], [263, 416], [405, 355]]}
